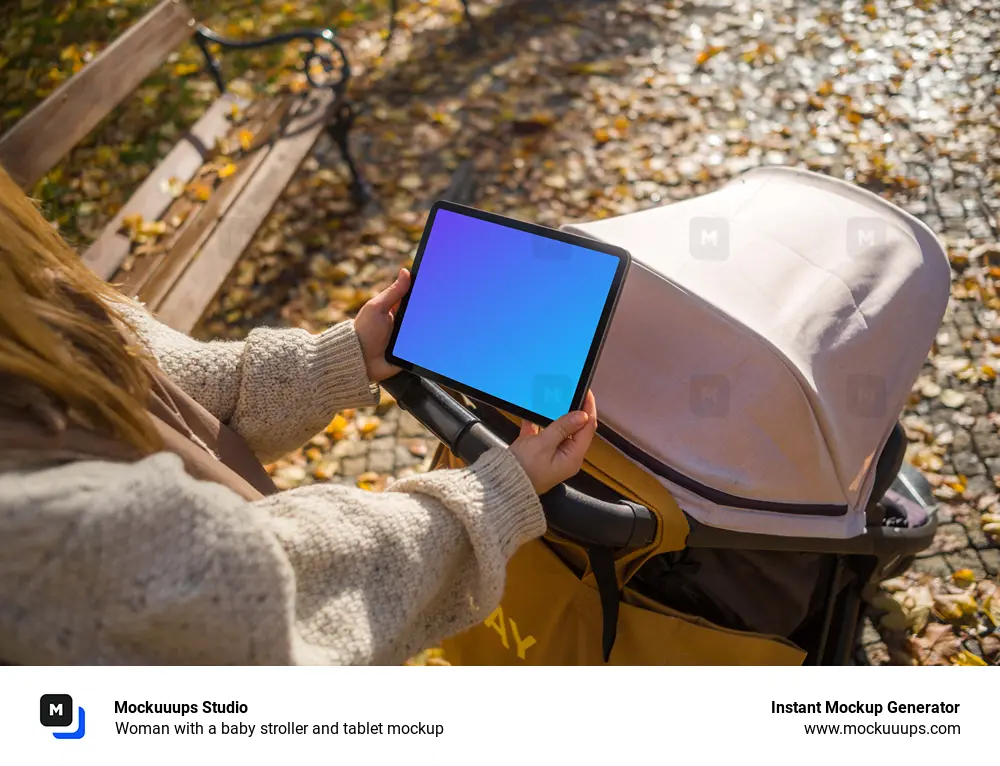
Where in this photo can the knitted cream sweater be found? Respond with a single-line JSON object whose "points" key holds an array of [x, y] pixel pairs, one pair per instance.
{"points": [[138, 563]]}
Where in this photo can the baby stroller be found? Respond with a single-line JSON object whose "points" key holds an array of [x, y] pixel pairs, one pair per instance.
{"points": [[747, 489]]}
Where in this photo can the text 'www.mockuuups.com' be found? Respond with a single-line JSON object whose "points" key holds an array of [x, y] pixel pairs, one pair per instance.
{"points": [[909, 719]]}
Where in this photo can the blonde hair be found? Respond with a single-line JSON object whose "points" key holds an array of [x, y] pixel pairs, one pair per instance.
{"points": [[62, 354]]}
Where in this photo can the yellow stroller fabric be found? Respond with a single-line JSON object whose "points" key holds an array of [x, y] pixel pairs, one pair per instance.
{"points": [[551, 615]]}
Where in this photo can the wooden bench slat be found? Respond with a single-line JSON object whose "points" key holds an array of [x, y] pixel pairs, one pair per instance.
{"points": [[170, 265], [38, 142], [142, 263], [135, 271], [185, 304], [151, 200]]}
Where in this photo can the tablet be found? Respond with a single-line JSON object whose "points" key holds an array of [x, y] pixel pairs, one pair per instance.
{"points": [[509, 313]]}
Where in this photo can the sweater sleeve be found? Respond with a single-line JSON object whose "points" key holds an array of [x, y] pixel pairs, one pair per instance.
{"points": [[276, 389], [108, 563]]}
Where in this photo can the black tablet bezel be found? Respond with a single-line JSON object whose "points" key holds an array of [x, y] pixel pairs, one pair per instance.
{"points": [[600, 334]]}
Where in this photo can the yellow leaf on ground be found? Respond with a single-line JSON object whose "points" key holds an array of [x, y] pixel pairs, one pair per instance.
{"points": [[326, 470], [200, 191], [246, 139], [602, 136], [227, 170], [957, 486], [968, 659], [927, 460], [133, 221], [299, 83], [182, 70], [963, 577], [370, 426], [339, 423], [709, 53], [955, 608]]}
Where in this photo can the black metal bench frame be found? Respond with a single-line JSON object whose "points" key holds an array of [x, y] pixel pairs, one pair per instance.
{"points": [[343, 120]]}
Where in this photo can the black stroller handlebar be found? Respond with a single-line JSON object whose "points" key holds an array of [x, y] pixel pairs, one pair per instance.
{"points": [[570, 513]]}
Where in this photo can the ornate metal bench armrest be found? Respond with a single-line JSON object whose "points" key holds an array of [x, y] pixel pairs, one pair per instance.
{"points": [[204, 37], [344, 112]]}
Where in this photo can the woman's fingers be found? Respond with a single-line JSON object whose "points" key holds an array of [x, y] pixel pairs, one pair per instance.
{"points": [[389, 298], [590, 407], [575, 449], [562, 429], [557, 452]]}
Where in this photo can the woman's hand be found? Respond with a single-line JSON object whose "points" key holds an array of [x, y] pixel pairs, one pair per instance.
{"points": [[556, 453], [374, 326]]}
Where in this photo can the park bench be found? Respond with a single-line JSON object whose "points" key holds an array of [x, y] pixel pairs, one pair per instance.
{"points": [[194, 240]]}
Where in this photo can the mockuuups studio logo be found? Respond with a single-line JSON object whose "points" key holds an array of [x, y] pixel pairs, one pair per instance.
{"points": [[709, 396], [709, 238], [866, 396], [864, 234], [56, 712]]}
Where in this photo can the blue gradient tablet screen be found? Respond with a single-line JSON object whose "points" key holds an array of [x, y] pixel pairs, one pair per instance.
{"points": [[506, 312]]}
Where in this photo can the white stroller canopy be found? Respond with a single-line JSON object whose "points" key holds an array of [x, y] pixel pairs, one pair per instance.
{"points": [[765, 344]]}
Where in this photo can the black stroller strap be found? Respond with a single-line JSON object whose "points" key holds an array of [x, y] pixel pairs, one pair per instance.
{"points": [[602, 563]]}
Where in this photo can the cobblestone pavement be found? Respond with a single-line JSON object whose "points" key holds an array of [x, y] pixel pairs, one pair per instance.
{"points": [[652, 102], [395, 445]]}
